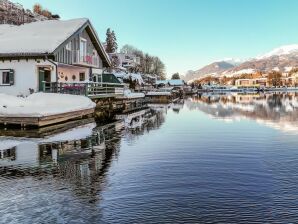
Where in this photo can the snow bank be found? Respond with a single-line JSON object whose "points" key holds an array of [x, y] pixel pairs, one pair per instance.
{"points": [[42, 104], [159, 93], [129, 94]]}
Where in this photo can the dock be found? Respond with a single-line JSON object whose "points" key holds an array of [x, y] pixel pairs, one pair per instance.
{"points": [[41, 121]]}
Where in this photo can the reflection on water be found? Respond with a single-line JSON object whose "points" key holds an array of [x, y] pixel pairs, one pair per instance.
{"points": [[208, 159], [73, 162], [277, 110]]}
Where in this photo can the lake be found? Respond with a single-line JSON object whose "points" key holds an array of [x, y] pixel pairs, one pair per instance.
{"points": [[206, 159]]}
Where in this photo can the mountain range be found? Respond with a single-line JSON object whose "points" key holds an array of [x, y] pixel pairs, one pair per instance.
{"points": [[281, 59]]}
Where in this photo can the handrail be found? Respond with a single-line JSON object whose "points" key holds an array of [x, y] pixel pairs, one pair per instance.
{"points": [[87, 89]]}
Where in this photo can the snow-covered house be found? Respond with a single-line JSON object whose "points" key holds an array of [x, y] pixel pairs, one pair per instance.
{"points": [[125, 61], [37, 53]]}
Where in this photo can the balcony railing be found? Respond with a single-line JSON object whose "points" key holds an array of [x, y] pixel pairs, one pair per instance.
{"points": [[92, 89], [92, 60]]}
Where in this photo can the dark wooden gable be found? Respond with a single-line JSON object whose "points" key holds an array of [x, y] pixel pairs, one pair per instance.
{"points": [[62, 55]]}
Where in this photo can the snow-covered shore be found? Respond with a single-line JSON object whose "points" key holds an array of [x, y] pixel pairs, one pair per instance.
{"points": [[42, 104]]}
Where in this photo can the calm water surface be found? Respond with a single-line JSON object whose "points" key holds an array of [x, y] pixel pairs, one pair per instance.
{"points": [[208, 159]]}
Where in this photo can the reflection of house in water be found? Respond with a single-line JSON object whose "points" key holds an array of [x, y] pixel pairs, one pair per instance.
{"points": [[77, 157], [177, 106], [141, 121], [277, 109]]}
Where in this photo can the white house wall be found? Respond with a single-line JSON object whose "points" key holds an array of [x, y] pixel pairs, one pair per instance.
{"points": [[25, 76], [69, 72]]}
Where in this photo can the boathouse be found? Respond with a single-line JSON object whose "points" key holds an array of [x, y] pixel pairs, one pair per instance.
{"points": [[46, 55]]}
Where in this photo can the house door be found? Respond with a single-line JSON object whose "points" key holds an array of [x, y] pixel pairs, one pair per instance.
{"points": [[44, 75]]}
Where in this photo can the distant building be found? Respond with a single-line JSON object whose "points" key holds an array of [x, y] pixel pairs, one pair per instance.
{"points": [[126, 61], [258, 82]]}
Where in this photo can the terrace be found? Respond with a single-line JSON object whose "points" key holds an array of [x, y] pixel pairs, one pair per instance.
{"points": [[93, 90]]}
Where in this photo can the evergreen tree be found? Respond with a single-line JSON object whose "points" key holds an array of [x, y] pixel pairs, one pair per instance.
{"points": [[108, 41], [111, 41], [115, 45]]}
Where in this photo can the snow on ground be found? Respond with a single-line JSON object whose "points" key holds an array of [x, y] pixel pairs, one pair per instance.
{"points": [[42, 104], [288, 69], [244, 71], [164, 93], [131, 95], [276, 69], [37, 37]]}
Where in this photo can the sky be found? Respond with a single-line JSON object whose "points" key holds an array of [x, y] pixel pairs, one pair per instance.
{"points": [[188, 34]]}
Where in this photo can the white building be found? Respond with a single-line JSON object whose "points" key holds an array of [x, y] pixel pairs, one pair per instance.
{"points": [[126, 61], [36, 54]]}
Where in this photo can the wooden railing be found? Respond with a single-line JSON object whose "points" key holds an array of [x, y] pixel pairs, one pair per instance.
{"points": [[91, 89], [92, 60]]}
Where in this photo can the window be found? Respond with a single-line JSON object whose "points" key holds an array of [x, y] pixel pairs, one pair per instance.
{"points": [[68, 46], [73, 77], [82, 76], [83, 49], [7, 77]]}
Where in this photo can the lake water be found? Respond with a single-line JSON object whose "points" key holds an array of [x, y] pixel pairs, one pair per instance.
{"points": [[207, 159]]}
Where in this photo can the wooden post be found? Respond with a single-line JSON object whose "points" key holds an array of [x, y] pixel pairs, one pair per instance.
{"points": [[43, 86], [60, 87], [86, 89]]}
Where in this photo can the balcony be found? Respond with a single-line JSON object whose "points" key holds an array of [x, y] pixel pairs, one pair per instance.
{"points": [[85, 60], [91, 90]]}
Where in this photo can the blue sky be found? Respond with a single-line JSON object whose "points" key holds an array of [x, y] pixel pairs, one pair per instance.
{"points": [[188, 34]]}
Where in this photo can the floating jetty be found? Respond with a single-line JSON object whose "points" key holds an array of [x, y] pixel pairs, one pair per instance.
{"points": [[43, 109], [42, 121]]}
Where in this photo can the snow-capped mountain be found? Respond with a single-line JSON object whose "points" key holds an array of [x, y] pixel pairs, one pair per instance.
{"points": [[215, 68], [281, 59], [232, 61], [284, 50]]}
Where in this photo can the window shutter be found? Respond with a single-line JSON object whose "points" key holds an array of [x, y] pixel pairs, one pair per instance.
{"points": [[11, 77]]}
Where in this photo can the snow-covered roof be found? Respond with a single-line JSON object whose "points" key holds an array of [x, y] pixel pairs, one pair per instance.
{"points": [[132, 76], [165, 82], [176, 82], [37, 37]]}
